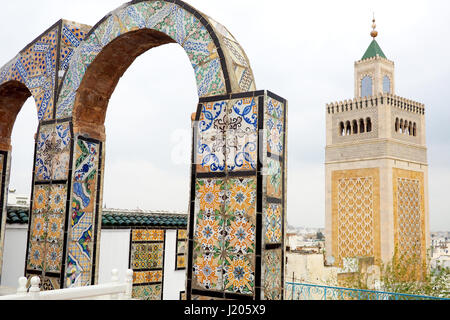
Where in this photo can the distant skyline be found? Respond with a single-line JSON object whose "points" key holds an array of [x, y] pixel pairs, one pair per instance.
{"points": [[302, 51]]}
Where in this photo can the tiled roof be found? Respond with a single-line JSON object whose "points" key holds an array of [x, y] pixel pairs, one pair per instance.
{"points": [[116, 218], [373, 50]]}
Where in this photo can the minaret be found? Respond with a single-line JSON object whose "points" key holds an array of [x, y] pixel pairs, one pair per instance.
{"points": [[376, 168]]}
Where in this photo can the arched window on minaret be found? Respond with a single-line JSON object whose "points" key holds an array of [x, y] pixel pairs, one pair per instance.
{"points": [[348, 128], [368, 125], [386, 84], [410, 130], [401, 125], [355, 127], [414, 129], [396, 124], [362, 128], [341, 129], [366, 86]]}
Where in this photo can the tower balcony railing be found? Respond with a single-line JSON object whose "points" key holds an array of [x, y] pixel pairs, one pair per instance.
{"points": [[302, 291], [375, 101]]}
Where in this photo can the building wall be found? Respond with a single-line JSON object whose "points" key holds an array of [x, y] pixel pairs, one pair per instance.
{"points": [[14, 255], [114, 254], [309, 268]]}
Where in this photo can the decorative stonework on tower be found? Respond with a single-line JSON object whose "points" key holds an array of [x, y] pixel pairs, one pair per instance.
{"points": [[376, 168]]}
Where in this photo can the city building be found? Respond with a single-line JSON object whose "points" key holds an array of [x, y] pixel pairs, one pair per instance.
{"points": [[376, 168]]}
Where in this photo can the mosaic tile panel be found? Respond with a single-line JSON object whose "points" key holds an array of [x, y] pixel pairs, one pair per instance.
{"points": [[207, 271], [227, 136], [147, 292], [147, 262], [272, 221], [181, 249], [239, 274], [83, 211], [274, 179], [147, 256], [272, 274], [176, 22], [45, 250], [53, 152]]}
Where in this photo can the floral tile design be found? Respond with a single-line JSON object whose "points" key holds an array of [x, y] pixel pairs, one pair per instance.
{"points": [[274, 179], [207, 271], [209, 233], [53, 257], [241, 235], [40, 199], [272, 274], [272, 220], [239, 274], [38, 227], [181, 262], [275, 136], [210, 195], [50, 283], [55, 228], [57, 199], [141, 277], [241, 197], [36, 255], [148, 292]]}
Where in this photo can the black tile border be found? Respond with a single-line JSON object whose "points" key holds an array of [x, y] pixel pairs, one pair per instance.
{"points": [[3, 196]]}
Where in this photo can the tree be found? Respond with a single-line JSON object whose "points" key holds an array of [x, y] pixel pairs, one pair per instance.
{"points": [[407, 274]]}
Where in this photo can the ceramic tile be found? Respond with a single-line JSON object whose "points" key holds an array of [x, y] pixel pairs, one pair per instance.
{"points": [[148, 235], [148, 292], [53, 257], [272, 219], [241, 197], [274, 179], [36, 255], [147, 256], [239, 274], [207, 271], [141, 277], [240, 237]]}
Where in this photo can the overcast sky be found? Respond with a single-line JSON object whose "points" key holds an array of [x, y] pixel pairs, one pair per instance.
{"points": [[301, 50]]}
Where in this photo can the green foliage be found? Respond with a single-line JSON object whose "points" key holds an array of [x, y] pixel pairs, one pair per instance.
{"points": [[406, 274]]}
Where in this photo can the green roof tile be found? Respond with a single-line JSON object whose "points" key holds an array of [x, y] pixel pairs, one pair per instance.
{"points": [[373, 50]]}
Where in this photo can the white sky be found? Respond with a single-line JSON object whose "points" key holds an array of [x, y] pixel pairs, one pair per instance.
{"points": [[301, 50]]}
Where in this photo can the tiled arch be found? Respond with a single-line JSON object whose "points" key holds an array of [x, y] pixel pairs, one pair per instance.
{"points": [[220, 64]]}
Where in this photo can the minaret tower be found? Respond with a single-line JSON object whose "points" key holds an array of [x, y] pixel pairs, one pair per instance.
{"points": [[376, 168]]}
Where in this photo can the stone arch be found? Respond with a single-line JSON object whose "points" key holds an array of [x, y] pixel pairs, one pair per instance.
{"points": [[219, 62], [13, 95]]}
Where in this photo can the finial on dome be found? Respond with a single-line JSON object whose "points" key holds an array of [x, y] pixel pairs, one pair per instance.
{"points": [[374, 32]]}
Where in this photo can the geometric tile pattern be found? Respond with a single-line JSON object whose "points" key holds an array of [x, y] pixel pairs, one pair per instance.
{"points": [[182, 238], [184, 26], [356, 228], [409, 215], [147, 262], [356, 217], [36, 68], [236, 202]]}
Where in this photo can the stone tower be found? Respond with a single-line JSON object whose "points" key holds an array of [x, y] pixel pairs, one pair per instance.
{"points": [[376, 168]]}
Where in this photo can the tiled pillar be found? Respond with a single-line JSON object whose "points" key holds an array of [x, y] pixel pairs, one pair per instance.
{"points": [[4, 183], [64, 212], [237, 208]]}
